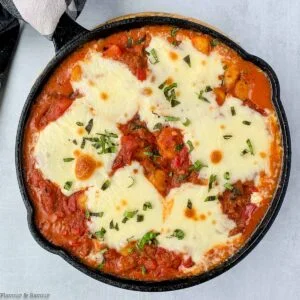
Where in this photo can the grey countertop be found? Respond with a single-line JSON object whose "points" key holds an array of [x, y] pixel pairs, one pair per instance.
{"points": [[269, 29]]}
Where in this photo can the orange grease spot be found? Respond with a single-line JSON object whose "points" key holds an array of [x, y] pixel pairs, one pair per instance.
{"points": [[85, 166], [173, 55], [104, 96], [216, 156]]}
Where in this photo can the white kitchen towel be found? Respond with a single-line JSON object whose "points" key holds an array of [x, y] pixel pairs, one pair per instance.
{"points": [[43, 15]]}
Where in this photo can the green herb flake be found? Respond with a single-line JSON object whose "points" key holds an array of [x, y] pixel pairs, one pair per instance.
{"points": [[105, 185], [162, 85], [140, 40], [210, 198], [144, 270], [178, 233], [153, 57], [170, 94], [179, 147], [79, 124], [214, 42], [189, 204], [187, 59], [233, 112], [228, 186], [89, 126], [74, 142], [113, 226], [208, 89], [87, 214], [132, 182], [97, 214], [250, 146], [130, 213], [68, 185], [187, 122], [129, 42], [191, 146], [171, 119], [197, 166], [212, 180], [201, 97], [68, 159], [101, 266], [148, 238], [140, 218], [246, 122], [147, 205], [158, 126], [100, 234], [227, 136], [227, 175], [174, 31]]}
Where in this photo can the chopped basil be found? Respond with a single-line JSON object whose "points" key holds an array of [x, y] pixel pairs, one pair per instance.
{"points": [[171, 119], [105, 185], [132, 182], [201, 97], [152, 154], [68, 159], [228, 186], [187, 59], [210, 198], [227, 175], [129, 215], [101, 266], [208, 89], [170, 94], [147, 205], [178, 233], [197, 166], [79, 124], [74, 142], [96, 214], [89, 126], [140, 218], [191, 146], [162, 85], [250, 146], [87, 214], [153, 58], [212, 180], [140, 40], [182, 177], [82, 143], [174, 31], [244, 152], [232, 109], [144, 270], [114, 226], [148, 238], [68, 185], [179, 147], [227, 136], [214, 42], [158, 126], [129, 42], [189, 204], [100, 234], [246, 122], [187, 122]]}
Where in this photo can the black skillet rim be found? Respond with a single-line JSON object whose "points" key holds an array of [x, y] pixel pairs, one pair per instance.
{"points": [[167, 285]]}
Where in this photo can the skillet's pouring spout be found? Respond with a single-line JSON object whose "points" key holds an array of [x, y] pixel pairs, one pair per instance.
{"points": [[67, 29]]}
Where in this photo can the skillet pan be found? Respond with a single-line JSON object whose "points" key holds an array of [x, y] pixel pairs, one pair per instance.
{"points": [[67, 37]]}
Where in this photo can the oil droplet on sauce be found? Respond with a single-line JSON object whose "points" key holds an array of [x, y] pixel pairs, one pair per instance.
{"points": [[216, 156], [173, 55], [147, 91], [80, 131], [85, 167], [104, 96]]}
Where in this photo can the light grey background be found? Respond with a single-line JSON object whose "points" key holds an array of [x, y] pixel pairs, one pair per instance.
{"points": [[269, 29]]}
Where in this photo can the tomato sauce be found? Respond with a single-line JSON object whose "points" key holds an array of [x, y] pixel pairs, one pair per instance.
{"points": [[162, 153]]}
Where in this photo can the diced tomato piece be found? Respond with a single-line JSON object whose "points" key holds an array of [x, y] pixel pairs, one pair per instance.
{"points": [[141, 73]]}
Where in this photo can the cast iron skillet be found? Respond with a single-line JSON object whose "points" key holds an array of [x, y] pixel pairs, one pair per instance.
{"points": [[67, 37]]}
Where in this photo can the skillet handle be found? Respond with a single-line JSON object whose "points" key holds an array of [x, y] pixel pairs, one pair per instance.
{"points": [[67, 29]]}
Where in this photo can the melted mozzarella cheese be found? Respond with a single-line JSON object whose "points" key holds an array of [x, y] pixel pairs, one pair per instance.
{"points": [[209, 123]]}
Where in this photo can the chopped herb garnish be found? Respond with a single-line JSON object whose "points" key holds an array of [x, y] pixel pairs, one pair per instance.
{"points": [[87, 214], [144, 270], [227, 175], [174, 31], [244, 152], [227, 136], [191, 146], [148, 238], [82, 143], [129, 215], [228, 186], [201, 97], [140, 218], [100, 234], [246, 122], [153, 58], [214, 42], [208, 89], [129, 42], [68, 185], [140, 40], [147, 205], [105, 185], [178, 233], [132, 182], [89, 126], [232, 109], [101, 266], [197, 166], [79, 124], [68, 159], [169, 92], [189, 204], [96, 214], [171, 118], [152, 154], [212, 180], [187, 122], [74, 142], [114, 226], [182, 177], [210, 198], [179, 147], [187, 59], [250, 146], [158, 126]]}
